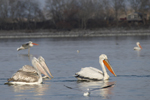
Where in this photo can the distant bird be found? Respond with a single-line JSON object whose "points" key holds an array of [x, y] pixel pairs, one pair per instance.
{"points": [[26, 46], [28, 74], [138, 46], [78, 51], [90, 90], [91, 73]]}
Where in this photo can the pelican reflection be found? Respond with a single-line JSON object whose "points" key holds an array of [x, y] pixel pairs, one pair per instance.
{"points": [[37, 90], [138, 53]]}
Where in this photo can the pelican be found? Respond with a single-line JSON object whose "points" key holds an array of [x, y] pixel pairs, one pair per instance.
{"points": [[31, 69], [29, 77], [91, 73], [26, 46], [138, 46]]}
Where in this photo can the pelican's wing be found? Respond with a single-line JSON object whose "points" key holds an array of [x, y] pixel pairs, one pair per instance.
{"points": [[90, 73], [27, 68], [97, 70], [21, 76]]}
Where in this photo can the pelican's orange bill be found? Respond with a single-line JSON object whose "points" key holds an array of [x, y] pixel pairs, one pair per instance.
{"points": [[35, 44], [140, 46], [109, 67]]}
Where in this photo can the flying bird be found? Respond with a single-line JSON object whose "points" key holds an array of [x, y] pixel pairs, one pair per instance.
{"points": [[138, 46], [91, 73], [26, 46], [90, 90], [26, 76]]}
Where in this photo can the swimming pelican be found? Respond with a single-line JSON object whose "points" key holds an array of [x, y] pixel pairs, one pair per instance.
{"points": [[91, 73], [26, 46], [28, 68], [25, 77], [138, 46]]}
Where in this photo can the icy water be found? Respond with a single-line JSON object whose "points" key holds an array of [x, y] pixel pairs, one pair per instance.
{"points": [[131, 67]]}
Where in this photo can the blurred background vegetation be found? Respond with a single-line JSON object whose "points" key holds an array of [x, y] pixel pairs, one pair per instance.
{"points": [[72, 14]]}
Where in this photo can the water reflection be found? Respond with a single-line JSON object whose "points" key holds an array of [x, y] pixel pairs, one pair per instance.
{"points": [[138, 52], [105, 93], [133, 71], [37, 90], [25, 56]]}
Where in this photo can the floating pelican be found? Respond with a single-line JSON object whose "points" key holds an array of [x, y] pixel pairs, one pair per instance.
{"points": [[31, 69], [26, 46], [91, 73], [29, 77], [138, 46]]}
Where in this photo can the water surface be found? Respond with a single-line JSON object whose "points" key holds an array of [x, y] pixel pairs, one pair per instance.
{"points": [[131, 67]]}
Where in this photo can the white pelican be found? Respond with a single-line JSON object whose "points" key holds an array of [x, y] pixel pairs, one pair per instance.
{"points": [[138, 46], [26, 46], [91, 73], [28, 68], [25, 77]]}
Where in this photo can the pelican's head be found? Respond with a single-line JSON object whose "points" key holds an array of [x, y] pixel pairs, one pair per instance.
{"points": [[138, 44], [38, 66], [103, 58], [41, 59]]}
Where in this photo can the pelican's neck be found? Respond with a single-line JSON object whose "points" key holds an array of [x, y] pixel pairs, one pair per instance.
{"points": [[106, 76], [40, 76]]}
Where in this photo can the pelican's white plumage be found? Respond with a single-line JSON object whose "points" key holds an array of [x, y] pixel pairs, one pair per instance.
{"points": [[28, 68], [138, 46], [91, 73], [24, 76]]}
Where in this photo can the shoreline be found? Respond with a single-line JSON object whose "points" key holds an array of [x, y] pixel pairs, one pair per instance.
{"points": [[81, 33]]}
